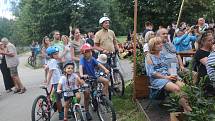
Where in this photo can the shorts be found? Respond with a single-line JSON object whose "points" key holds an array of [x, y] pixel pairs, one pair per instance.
{"points": [[66, 98], [57, 95], [13, 71]]}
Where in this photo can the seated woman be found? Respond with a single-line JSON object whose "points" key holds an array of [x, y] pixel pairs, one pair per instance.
{"points": [[201, 58], [157, 70]]}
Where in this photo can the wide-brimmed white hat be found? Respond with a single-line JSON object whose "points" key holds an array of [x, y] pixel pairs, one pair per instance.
{"points": [[102, 58]]}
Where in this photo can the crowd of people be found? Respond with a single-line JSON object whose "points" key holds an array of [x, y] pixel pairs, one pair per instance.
{"points": [[163, 63], [67, 59]]}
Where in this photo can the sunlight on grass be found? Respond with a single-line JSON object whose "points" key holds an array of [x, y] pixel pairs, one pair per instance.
{"points": [[121, 39], [126, 108]]}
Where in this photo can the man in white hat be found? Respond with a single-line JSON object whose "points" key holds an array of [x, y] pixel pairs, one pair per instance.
{"points": [[105, 39]]}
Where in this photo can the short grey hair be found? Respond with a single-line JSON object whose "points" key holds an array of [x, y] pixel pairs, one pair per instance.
{"points": [[158, 33], [5, 40]]}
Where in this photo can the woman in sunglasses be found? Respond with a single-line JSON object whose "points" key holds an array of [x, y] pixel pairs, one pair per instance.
{"points": [[201, 58]]}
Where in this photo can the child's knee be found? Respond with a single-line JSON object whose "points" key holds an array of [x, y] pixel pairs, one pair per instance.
{"points": [[176, 88], [78, 96]]}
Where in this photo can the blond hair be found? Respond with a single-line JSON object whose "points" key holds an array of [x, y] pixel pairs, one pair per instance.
{"points": [[152, 42]]}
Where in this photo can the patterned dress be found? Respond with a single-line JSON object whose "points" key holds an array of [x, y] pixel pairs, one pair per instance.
{"points": [[158, 65]]}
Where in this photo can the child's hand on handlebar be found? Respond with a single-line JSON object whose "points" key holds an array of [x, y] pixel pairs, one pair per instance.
{"points": [[59, 91], [107, 71]]}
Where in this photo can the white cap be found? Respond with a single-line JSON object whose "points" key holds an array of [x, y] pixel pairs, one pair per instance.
{"points": [[101, 20], [102, 59]]}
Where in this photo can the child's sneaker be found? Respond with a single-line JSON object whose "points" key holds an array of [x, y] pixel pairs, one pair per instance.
{"points": [[88, 116]]}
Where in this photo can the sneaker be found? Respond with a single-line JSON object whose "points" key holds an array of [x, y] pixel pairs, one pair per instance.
{"points": [[88, 116], [61, 115], [16, 90], [9, 90]]}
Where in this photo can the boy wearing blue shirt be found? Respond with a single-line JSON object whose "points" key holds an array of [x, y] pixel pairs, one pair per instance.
{"points": [[87, 65]]}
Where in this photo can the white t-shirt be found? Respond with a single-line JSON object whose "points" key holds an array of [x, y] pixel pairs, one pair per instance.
{"points": [[53, 65], [146, 48], [70, 84], [68, 53]]}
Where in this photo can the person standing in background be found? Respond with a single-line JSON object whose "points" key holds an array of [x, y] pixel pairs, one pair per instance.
{"points": [[12, 63], [75, 47], [8, 82]]}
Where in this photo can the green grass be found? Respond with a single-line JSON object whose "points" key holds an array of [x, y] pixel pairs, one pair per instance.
{"points": [[121, 39], [126, 108]]}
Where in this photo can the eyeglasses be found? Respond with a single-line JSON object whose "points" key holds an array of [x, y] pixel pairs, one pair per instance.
{"points": [[164, 33]]}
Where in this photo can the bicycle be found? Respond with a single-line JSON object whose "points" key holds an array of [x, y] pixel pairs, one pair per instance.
{"points": [[116, 78], [76, 108], [32, 60], [100, 103], [44, 105]]}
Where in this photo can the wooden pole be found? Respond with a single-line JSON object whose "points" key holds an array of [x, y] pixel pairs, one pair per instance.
{"points": [[135, 37], [179, 16]]}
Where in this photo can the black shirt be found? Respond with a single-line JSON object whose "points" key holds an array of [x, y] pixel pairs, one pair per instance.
{"points": [[171, 33], [197, 65]]}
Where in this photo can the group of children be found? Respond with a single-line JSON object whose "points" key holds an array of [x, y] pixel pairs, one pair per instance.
{"points": [[70, 80]]}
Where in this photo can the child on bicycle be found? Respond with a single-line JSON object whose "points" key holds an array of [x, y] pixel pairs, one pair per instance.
{"points": [[87, 65], [54, 74], [69, 81]]}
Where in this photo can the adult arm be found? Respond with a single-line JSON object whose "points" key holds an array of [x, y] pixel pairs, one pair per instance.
{"points": [[103, 68], [178, 40], [73, 54], [204, 60]]}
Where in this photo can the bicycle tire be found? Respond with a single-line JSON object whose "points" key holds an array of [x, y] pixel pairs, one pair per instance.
{"points": [[45, 113], [34, 61], [115, 81], [29, 60], [79, 116], [106, 107]]}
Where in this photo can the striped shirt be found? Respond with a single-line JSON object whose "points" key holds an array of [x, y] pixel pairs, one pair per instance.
{"points": [[211, 67]]}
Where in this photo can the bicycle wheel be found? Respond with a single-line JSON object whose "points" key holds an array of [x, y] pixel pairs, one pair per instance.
{"points": [[33, 62], [29, 60], [117, 83], [40, 110], [105, 110], [78, 114]]}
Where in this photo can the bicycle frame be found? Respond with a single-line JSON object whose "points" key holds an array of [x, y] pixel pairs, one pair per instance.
{"points": [[48, 93]]}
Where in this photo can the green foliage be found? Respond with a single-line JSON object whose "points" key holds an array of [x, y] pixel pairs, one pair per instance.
{"points": [[121, 39], [126, 108], [140, 62], [163, 12], [38, 18], [5, 27], [203, 108]]}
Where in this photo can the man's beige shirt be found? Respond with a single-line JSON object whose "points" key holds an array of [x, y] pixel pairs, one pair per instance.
{"points": [[106, 39]]}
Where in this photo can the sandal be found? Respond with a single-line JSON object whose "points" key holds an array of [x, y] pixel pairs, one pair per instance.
{"points": [[22, 90], [16, 90]]}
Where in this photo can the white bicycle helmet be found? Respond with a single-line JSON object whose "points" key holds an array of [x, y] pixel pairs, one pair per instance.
{"points": [[102, 19]]}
